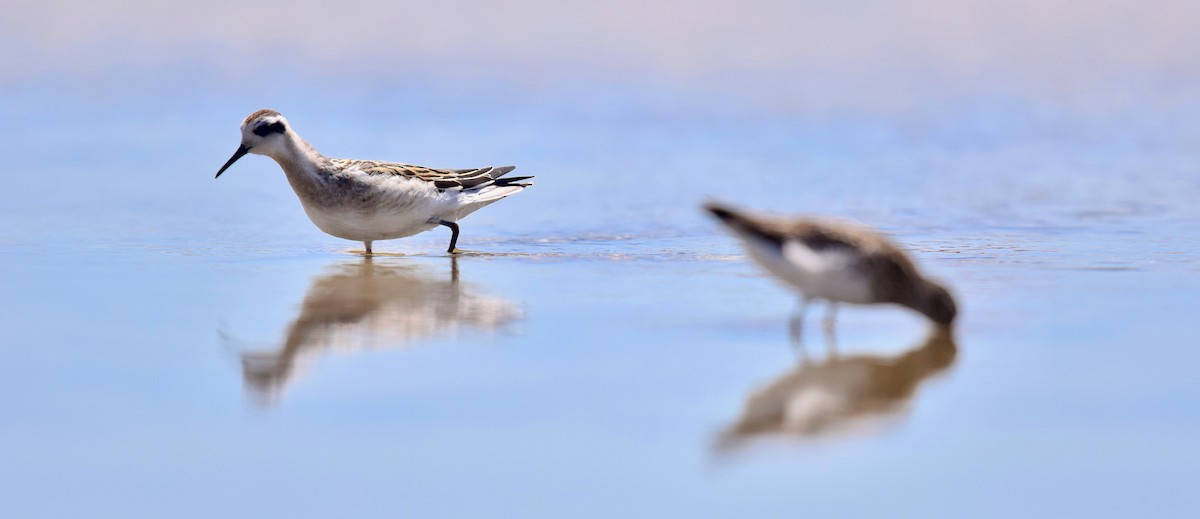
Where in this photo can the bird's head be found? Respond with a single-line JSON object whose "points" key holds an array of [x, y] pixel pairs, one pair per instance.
{"points": [[938, 305], [264, 132]]}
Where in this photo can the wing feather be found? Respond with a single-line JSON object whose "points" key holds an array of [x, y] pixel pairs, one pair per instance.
{"points": [[456, 179]]}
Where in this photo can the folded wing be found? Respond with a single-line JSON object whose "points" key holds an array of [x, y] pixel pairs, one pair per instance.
{"points": [[448, 179]]}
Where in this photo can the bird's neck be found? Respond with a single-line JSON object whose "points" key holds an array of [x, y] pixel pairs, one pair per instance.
{"points": [[302, 165], [297, 155], [297, 158], [924, 299]]}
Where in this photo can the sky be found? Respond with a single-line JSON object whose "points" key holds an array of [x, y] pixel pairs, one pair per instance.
{"points": [[1102, 54]]}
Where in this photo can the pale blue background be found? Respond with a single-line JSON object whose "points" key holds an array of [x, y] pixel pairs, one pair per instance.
{"points": [[1043, 158]]}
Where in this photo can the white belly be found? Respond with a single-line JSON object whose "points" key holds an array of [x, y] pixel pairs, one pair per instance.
{"points": [[380, 225], [827, 274]]}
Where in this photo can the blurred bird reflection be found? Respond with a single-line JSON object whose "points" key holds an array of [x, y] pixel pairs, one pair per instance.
{"points": [[841, 395], [364, 304]]}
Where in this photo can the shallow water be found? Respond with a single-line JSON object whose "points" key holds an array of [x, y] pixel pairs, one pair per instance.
{"points": [[181, 346]]}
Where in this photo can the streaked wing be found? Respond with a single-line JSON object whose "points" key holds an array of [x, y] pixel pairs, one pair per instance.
{"points": [[813, 236], [441, 178], [820, 238]]}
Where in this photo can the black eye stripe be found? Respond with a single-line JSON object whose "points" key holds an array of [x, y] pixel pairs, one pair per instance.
{"points": [[264, 129]]}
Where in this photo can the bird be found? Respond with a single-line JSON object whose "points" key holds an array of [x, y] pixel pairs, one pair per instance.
{"points": [[836, 262], [368, 200]]}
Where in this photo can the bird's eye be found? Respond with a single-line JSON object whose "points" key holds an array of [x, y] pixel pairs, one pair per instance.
{"points": [[266, 129]]}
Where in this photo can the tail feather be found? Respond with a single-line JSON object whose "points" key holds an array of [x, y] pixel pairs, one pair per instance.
{"points": [[742, 224], [514, 181], [499, 171], [725, 213]]}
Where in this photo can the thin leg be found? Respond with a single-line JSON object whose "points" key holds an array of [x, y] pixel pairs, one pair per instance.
{"points": [[453, 236], [796, 329], [831, 328], [367, 244]]}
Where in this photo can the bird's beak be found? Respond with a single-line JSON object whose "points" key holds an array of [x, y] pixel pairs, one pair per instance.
{"points": [[241, 151]]}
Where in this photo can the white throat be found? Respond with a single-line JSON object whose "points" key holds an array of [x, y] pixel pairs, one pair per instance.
{"points": [[293, 152]]}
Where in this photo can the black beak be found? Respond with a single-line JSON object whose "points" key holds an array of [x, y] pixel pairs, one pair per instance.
{"points": [[241, 151]]}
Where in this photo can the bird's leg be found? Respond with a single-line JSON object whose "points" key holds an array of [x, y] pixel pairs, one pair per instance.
{"points": [[367, 244], [831, 328], [796, 330], [453, 234]]}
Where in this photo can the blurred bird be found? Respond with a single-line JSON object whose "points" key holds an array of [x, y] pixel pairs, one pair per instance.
{"points": [[836, 262], [366, 200]]}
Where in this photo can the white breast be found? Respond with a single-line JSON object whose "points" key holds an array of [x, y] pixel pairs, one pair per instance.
{"points": [[398, 207]]}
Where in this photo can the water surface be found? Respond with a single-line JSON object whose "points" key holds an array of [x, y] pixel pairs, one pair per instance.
{"points": [[181, 346]]}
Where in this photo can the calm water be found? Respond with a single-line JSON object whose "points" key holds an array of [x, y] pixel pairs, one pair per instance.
{"points": [[181, 346]]}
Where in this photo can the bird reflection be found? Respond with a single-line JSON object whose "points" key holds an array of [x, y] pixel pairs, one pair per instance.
{"points": [[840, 395], [363, 304]]}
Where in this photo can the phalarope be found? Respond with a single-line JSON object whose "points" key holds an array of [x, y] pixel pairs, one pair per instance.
{"points": [[367, 200], [837, 262]]}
